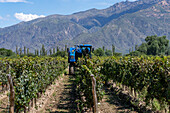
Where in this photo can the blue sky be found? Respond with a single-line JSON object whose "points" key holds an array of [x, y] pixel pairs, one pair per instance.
{"points": [[15, 11]]}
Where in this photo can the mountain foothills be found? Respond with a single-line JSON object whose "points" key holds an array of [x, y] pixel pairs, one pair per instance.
{"points": [[124, 25]]}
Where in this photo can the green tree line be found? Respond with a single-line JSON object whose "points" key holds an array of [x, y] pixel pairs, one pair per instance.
{"points": [[105, 52], [153, 45]]}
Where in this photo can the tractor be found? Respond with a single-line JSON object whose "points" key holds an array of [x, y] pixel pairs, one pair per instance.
{"points": [[76, 52]]}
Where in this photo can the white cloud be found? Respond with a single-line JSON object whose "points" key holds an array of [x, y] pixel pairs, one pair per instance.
{"points": [[27, 17], [13, 1]]}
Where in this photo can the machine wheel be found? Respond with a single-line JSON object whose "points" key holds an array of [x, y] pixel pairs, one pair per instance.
{"points": [[71, 69]]}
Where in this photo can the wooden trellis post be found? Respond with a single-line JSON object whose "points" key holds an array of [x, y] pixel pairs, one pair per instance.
{"points": [[94, 93], [12, 94]]}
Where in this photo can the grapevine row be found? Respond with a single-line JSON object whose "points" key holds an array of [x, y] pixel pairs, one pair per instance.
{"points": [[84, 84], [31, 76], [146, 73]]}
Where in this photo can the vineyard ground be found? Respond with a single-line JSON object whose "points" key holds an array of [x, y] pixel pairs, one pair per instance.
{"points": [[43, 100], [61, 99], [3, 101], [111, 103], [4, 105], [3, 95]]}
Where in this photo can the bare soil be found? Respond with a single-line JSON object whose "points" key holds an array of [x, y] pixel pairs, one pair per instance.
{"points": [[111, 103], [3, 100], [4, 105], [3, 95], [60, 97], [63, 99]]}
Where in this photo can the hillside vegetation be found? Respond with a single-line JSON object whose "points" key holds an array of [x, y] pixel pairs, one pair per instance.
{"points": [[124, 25]]}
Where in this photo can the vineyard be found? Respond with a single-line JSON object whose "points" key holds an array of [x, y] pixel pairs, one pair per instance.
{"points": [[31, 77], [146, 80]]}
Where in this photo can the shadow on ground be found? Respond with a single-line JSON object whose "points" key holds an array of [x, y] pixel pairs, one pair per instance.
{"points": [[123, 101], [67, 98], [116, 98]]}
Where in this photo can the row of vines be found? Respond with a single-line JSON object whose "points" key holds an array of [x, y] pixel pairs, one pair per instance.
{"points": [[150, 76], [86, 68], [31, 76]]}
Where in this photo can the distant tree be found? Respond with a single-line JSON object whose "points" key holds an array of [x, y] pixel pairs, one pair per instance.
{"points": [[40, 52], [43, 50], [143, 48], [113, 49], [150, 39], [117, 54], [27, 51], [58, 49], [20, 51], [24, 50], [61, 53], [136, 53], [37, 52], [50, 52], [154, 46], [108, 52], [132, 50], [17, 50], [6, 52], [136, 47], [31, 55], [103, 48], [157, 45], [53, 50], [46, 53], [99, 52], [168, 51], [129, 50], [65, 48], [153, 49]]}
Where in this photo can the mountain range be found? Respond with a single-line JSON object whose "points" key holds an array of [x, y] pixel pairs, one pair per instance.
{"points": [[124, 25]]}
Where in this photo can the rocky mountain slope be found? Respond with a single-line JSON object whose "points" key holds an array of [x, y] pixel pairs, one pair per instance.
{"points": [[124, 24]]}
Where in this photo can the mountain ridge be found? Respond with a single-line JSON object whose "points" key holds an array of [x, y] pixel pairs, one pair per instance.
{"points": [[123, 24]]}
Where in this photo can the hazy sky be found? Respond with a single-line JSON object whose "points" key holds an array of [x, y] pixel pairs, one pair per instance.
{"points": [[15, 11]]}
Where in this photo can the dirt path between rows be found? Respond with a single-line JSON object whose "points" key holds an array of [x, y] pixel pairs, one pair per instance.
{"points": [[111, 103], [63, 99], [4, 100], [4, 105], [63, 96]]}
